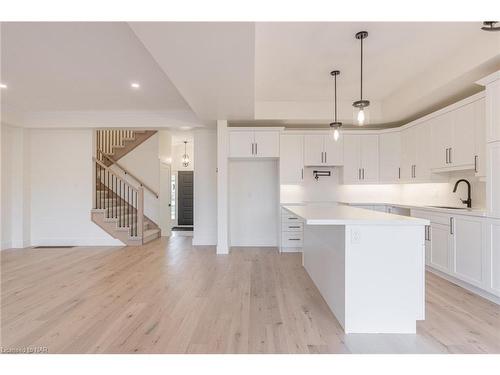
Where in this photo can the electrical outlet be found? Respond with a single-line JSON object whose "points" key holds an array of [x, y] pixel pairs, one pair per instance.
{"points": [[355, 237]]}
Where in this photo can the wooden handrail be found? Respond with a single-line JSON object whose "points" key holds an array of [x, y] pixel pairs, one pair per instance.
{"points": [[124, 170], [115, 174]]}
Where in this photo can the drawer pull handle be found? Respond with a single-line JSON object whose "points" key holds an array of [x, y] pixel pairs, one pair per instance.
{"points": [[292, 218], [294, 226], [294, 239]]}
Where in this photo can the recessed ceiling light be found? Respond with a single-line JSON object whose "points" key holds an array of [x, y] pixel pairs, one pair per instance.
{"points": [[3, 86], [135, 85]]}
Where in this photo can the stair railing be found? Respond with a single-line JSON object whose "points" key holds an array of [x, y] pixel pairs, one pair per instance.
{"points": [[107, 139], [119, 199], [126, 172]]}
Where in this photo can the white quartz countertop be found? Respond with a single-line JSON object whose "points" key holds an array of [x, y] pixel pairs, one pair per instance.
{"points": [[346, 215], [481, 212]]}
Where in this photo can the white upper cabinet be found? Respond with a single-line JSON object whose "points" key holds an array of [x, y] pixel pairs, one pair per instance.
{"points": [[253, 143], [369, 158], [267, 144], [441, 140], [480, 138], [291, 159], [313, 149], [462, 149], [493, 111], [361, 159], [456, 142], [408, 153], [321, 150], [390, 157], [334, 151], [241, 144]]}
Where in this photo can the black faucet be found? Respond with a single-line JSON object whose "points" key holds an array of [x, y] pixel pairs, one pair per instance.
{"points": [[467, 201]]}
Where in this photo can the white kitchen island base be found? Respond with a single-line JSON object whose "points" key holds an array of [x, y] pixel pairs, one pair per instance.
{"points": [[370, 270]]}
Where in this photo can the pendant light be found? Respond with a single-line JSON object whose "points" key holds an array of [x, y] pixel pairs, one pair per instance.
{"points": [[335, 125], [361, 106], [185, 157]]}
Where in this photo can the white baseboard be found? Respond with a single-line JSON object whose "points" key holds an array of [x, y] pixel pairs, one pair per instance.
{"points": [[467, 286], [291, 249], [72, 241], [6, 245], [204, 241]]}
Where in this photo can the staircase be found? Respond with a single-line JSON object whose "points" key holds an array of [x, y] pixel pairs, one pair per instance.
{"points": [[119, 204]]}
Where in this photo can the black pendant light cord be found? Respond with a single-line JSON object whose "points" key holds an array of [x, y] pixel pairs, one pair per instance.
{"points": [[335, 104], [361, 98]]}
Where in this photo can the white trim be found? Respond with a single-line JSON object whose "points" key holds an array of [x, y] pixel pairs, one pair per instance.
{"points": [[489, 79], [76, 241], [465, 285], [222, 188]]}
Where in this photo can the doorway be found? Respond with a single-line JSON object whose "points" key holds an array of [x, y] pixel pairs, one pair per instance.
{"points": [[185, 198]]}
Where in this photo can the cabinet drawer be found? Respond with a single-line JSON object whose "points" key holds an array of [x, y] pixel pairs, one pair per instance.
{"points": [[291, 239], [287, 216], [291, 226]]}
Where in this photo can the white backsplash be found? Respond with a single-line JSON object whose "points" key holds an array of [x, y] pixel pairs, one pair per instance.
{"points": [[328, 189]]}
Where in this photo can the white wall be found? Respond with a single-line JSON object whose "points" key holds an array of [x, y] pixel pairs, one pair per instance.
{"points": [[328, 189], [61, 189], [15, 199], [144, 163], [205, 188], [253, 202], [165, 155]]}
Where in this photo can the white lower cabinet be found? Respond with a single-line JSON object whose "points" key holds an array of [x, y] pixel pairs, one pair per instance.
{"points": [[440, 247], [464, 247], [468, 247], [492, 255], [292, 232]]}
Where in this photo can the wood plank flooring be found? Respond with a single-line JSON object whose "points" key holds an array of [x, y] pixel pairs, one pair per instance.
{"points": [[171, 297]]}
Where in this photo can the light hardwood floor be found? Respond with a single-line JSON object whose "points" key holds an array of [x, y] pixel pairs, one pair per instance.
{"points": [[171, 297]]}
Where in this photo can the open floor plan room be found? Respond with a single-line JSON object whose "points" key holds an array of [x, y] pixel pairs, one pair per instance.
{"points": [[255, 187]]}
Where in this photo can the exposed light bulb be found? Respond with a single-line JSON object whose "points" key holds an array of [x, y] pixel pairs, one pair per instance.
{"points": [[361, 117], [336, 134]]}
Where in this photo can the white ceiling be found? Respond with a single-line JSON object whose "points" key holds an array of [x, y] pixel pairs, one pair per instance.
{"points": [[78, 74], [73, 74], [293, 61]]}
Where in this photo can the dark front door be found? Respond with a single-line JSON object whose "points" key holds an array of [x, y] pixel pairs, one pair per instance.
{"points": [[185, 198]]}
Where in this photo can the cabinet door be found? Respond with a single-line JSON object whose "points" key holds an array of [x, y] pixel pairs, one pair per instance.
{"points": [[313, 150], [480, 138], [407, 153], [334, 151], [291, 159], [267, 144], [369, 158], [389, 156], [468, 245], [493, 265], [352, 164], [422, 169], [493, 185], [440, 247], [241, 144], [442, 134], [493, 111], [462, 150]]}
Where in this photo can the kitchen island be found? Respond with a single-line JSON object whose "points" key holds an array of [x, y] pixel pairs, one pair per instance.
{"points": [[369, 266]]}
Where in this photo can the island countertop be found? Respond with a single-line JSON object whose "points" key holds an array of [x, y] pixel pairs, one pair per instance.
{"points": [[345, 215]]}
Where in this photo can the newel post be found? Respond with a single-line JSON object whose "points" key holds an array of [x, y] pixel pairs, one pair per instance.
{"points": [[140, 212]]}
